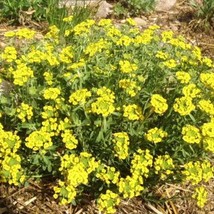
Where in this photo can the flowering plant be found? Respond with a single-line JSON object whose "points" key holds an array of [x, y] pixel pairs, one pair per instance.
{"points": [[106, 109]]}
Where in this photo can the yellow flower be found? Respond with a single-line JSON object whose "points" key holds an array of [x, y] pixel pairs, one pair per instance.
{"points": [[183, 106], [51, 93], [207, 79], [133, 112], [155, 135], [171, 63], [201, 195], [103, 107], [206, 106], [127, 67], [159, 104], [79, 97], [69, 139], [121, 147], [9, 54], [191, 91], [25, 112], [191, 134], [183, 77]]}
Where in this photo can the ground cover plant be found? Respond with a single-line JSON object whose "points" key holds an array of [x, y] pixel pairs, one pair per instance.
{"points": [[107, 111]]}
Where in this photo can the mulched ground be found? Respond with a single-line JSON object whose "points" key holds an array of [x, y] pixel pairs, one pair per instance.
{"points": [[36, 198]]}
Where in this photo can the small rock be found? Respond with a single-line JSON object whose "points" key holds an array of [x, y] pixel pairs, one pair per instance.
{"points": [[164, 5], [104, 9], [140, 22]]}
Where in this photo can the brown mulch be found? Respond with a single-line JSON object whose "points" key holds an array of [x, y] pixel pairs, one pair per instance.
{"points": [[36, 198]]}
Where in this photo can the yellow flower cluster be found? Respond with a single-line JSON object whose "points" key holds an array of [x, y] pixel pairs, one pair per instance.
{"points": [[11, 170], [9, 54], [127, 67], [183, 105], [107, 202], [39, 140], [104, 103], [130, 186], [69, 139], [198, 171], [141, 162], [66, 55], [162, 55], [201, 195], [207, 130], [133, 112], [51, 93], [79, 96], [191, 134], [159, 103], [10, 163], [9, 142], [121, 144], [207, 106], [130, 86], [83, 27], [207, 79], [96, 47], [191, 91], [48, 76], [183, 77], [155, 135], [49, 112], [24, 112], [76, 171], [21, 74], [171, 63], [50, 126], [22, 33], [163, 165], [107, 174]]}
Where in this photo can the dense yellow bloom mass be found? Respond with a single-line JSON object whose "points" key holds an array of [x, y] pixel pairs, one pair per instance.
{"points": [[191, 134], [207, 79], [11, 170], [22, 74], [79, 97], [25, 112], [207, 106], [127, 67], [69, 139], [191, 91], [131, 186], [183, 106], [141, 162], [207, 129], [9, 54], [39, 140], [201, 195], [133, 112], [198, 171], [107, 202], [121, 147], [104, 104], [155, 135], [163, 166], [51, 93], [129, 86], [159, 104], [183, 77], [9, 142]]}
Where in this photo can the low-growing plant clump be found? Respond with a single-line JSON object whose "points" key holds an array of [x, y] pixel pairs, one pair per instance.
{"points": [[106, 110]]}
